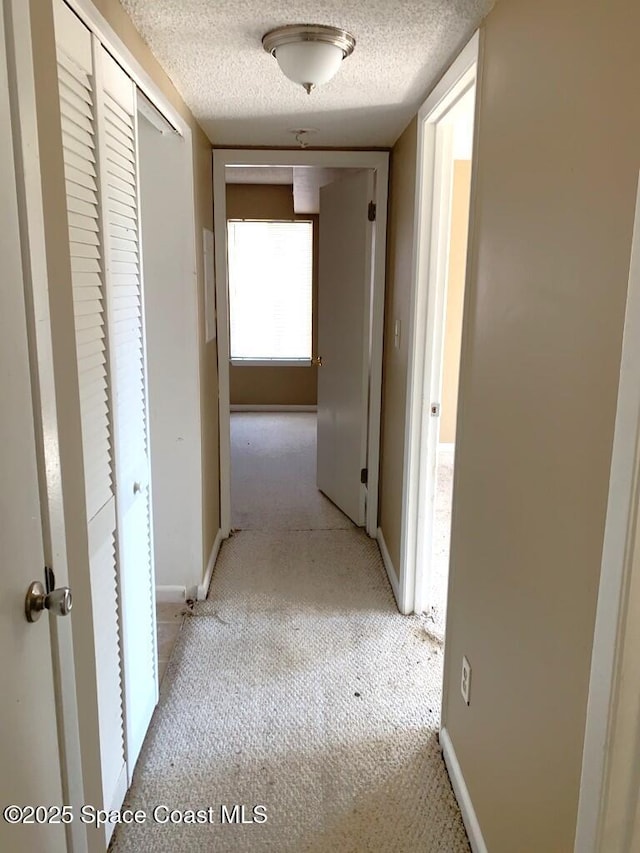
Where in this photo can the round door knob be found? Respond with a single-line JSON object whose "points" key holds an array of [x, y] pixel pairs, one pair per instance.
{"points": [[58, 601]]}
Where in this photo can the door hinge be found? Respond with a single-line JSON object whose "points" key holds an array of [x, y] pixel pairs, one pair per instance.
{"points": [[372, 211], [364, 476]]}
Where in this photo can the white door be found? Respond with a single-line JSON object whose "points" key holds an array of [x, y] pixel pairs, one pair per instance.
{"points": [[118, 147], [30, 766], [99, 136], [344, 321], [78, 109]]}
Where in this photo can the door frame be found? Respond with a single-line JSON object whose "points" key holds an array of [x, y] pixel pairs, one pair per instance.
{"points": [[378, 161], [429, 282], [608, 816]]}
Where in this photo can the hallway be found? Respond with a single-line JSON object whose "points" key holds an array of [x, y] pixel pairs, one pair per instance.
{"points": [[297, 685]]}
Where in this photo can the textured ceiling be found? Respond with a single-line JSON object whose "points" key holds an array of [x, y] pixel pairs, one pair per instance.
{"points": [[212, 51]]}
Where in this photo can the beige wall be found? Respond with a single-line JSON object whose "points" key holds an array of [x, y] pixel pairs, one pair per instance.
{"points": [[461, 185], [402, 177], [272, 385], [123, 27], [559, 153]]}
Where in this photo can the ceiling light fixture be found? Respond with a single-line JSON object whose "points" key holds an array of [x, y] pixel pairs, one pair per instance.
{"points": [[309, 54]]}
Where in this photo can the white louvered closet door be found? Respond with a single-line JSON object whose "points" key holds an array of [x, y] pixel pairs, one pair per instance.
{"points": [[76, 81], [120, 192]]}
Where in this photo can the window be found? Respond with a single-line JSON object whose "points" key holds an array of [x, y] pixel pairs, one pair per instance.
{"points": [[270, 290]]}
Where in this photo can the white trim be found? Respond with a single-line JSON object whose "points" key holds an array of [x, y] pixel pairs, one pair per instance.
{"points": [[447, 445], [211, 330], [270, 362], [376, 344], [375, 160], [613, 699], [170, 594], [152, 114], [99, 25], [203, 588], [461, 791], [270, 407], [389, 567], [420, 428]]}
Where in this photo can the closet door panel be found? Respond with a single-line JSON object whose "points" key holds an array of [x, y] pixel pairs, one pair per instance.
{"points": [[76, 86], [120, 191]]}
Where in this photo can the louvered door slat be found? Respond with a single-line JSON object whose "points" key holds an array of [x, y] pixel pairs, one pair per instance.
{"points": [[118, 115], [84, 222], [89, 322], [94, 349], [84, 250], [120, 144], [82, 235], [88, 279], [120, 186], [86, 309], [115, 119], [76, 100], [83, 336], [81, 88], [121, 161], [122, 196], [74, 205], [124, 245], [80, 147], [73, 132], [124, 175], [84, 179], [123, 233], [84, 193]]}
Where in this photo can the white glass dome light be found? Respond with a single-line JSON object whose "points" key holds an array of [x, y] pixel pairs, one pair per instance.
{"points": [[309, 54]]}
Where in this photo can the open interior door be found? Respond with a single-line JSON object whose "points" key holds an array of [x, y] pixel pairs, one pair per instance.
{"points": [[344, 320], [28, 735]]}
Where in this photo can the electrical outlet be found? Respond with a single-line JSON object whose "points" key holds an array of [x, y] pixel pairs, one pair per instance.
{"points": [[465, 681]]}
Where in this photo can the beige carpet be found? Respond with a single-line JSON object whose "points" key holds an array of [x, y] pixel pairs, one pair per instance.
{"points": [[299, 687], [273, 474]]}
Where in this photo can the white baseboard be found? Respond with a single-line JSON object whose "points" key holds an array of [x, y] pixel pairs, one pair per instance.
{"points": [[462, 793], [389, 567], [203, 588], [269, 407], [170, 594]]}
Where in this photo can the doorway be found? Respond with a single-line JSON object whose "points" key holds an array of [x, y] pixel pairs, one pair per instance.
{"points": [[272, 239], [232, 375], [299, 244], [443, 191], [456, 131]]}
